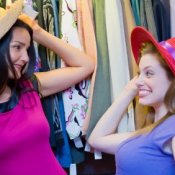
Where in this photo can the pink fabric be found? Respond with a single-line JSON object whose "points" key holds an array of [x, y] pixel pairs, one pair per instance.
{"points": [[24, 137], [87, 36]]}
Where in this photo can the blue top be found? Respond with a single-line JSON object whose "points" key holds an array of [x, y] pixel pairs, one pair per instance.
{"points": [[144, 154]]}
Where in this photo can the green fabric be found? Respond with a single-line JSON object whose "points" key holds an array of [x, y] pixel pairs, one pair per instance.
{"points": [[143, 20], [102, 95], [150, 18], [3, 3], [136, 13]]}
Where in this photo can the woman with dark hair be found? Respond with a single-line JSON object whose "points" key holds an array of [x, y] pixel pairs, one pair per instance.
{"points": [[150, 150], [24, 130], [6, 63]]}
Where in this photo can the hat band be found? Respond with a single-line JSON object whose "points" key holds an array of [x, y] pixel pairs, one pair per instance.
{"points": [[169, 48]]}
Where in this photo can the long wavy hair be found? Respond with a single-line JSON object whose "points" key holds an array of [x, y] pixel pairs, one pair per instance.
{"points": [[5, 59], [169, 99]]}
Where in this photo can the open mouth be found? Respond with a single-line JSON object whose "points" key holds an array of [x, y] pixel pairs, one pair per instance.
{"points": [[143, 93]]}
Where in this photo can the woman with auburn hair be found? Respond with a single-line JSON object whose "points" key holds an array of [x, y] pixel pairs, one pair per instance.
{"points": [[150, 150]]}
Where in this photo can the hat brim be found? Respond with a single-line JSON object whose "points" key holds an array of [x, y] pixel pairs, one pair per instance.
{"points": [[140, 35], [10, 17]]}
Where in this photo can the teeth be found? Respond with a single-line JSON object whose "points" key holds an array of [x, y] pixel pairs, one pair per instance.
{"points": [[143, 92]]}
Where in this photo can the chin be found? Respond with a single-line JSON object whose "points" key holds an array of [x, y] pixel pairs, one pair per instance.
{"points": [[144, 102], [18, 76]]}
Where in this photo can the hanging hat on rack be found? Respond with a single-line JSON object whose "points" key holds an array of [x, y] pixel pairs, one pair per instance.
{"points": [[9, 16], [166, 48]]}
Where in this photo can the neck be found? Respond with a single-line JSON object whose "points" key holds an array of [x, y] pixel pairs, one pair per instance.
{"points": [[5, 96], [160, 112]]}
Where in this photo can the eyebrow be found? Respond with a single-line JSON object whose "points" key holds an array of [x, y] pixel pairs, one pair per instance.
{"points": [[21, 43], [147, 67], [18, 42]]}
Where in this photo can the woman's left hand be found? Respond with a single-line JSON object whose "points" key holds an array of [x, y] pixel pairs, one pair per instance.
{"points": [[32, 23]]}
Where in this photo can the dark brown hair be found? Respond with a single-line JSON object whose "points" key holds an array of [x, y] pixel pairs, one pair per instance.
{"points": [[5, 59]]}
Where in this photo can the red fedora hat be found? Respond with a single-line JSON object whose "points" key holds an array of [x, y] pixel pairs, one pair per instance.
{"points": [[166, 48]]}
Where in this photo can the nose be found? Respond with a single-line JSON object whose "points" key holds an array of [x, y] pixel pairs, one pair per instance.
{"points": [[25, 56], [140, 80]]}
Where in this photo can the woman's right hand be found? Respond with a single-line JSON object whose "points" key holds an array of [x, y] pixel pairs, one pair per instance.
{"points": [[131, 88]]}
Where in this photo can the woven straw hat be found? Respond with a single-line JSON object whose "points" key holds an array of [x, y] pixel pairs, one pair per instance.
{"points": [[8, 17]]}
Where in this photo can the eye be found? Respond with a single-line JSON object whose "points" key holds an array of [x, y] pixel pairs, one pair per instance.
{"points": [[149, 73], [16, 47]]}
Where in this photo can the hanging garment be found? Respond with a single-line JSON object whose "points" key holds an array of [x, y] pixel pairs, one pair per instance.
{"points": [[118, 58], [172, 17], [136, 11], [129, 24], [62, 151], [166, 5], [48, 62], [3, 3], [143, 20], [102, 95], [52, 105], [147, 17], [162, 20], [119, 69], [150, 18], [75, 98], [87, 38]]}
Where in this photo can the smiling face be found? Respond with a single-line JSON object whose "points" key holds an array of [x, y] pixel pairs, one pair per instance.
{"points": [[19, 50], [153, 81]]}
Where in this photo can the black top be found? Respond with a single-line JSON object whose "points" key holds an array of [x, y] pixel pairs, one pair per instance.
{"points": [[12, 102]]}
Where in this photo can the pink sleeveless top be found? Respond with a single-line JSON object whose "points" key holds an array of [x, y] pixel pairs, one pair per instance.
{"points": [[24, 139]]}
